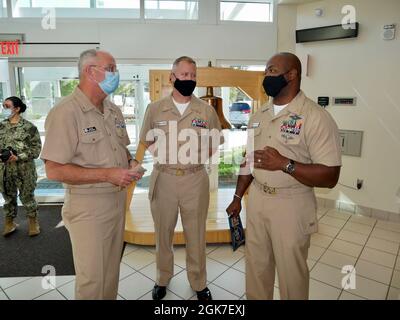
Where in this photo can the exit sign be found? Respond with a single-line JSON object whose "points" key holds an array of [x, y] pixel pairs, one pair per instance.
{"points": [[9, 48]]}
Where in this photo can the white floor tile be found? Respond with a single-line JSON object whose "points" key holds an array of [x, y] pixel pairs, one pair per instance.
{"points": [[124, 271], [138, 259], [321, 240], [358, 227], [221, 294], [180, 286], [383, 245], [8, 282], [396, 280], [386, 235], [363, 220], [211, 247], [322, 291], [232, 281], [311, 263], [378, 257], [328, 230], [315, 252], [353, 237], [3, 295], [226, 255], [394, 294], [331, 221], [61, 280], [277, 294], [345, 247], [240, 265], [397, 267], [369, 289], [168, 296], [348, 296], [134, 286], [68, 290], [390, 226], [327, 274], [337, 259], [27, 290], [130, 248], [180, 256], [151, 271], [52, 295], [373, 271], [338, 214], [215, 268]]}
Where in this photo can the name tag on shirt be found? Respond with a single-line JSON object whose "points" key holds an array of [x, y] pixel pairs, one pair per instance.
{"points": [[161, 123], [255, 125], [90, 130]]}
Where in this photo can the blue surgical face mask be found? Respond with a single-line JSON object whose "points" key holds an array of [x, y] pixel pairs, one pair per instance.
{"points": [[6, 113], [110, 82]]}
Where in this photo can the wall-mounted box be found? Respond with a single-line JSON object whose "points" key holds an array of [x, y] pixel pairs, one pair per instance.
{"points": [[344, 101], [351, 142]]}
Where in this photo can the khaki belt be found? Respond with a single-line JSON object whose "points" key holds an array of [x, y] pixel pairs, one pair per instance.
{"points": [[263, 187], [178, 171]]}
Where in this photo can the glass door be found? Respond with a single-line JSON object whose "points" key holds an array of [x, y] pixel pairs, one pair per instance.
{"points": [[42, 85]]}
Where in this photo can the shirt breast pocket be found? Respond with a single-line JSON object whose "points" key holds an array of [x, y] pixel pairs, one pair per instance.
{"points": [[288, 138], [91, 139]]}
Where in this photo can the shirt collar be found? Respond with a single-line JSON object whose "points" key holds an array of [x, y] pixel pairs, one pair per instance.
{"points": [[168, 104], [294, 106], [86, 105]]}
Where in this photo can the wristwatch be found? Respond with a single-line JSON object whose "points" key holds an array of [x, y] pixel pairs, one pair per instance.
{"points": [[290, 167]]}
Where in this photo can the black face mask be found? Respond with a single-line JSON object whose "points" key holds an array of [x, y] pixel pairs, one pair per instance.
{"points": [[274, 85], [185, 87]]}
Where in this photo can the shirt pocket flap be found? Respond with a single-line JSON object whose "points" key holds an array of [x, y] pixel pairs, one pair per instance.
{"points": [[92, 138]]}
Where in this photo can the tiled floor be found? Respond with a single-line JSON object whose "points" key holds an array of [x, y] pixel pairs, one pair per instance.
{"points": [[343, 239]]}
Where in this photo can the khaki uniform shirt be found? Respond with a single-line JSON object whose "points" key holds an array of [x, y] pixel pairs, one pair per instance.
{"points": [[78, 133], [303, 132], [183, 141]]}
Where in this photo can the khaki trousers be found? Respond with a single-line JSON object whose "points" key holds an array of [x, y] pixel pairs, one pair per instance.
{"points": [[190, 195], [96, 224], [278, 229]]}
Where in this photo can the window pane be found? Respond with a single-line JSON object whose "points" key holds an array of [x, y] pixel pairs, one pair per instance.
{"points": [[163, 9], [60, 3], [245, 11], [122, 4], [3, 8], [124, 9]]}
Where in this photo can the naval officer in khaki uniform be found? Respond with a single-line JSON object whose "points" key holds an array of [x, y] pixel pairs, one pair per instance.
{"points": [[85, 148], [180, 127], [296, 145]]}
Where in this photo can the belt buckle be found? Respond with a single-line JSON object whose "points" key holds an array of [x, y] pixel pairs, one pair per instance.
{"points": [[269, 190], [179, 172]]}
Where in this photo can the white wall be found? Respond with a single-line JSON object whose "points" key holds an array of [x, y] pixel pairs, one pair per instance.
{"points": [[287, 17], [368, 68], [144, 40]]}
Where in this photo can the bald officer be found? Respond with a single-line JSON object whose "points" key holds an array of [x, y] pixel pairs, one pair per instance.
{"points": [[181, 124], [296, 145], [85, 148]]}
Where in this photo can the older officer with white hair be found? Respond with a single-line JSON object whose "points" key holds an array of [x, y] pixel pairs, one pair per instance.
{"points": [[85, 148]]}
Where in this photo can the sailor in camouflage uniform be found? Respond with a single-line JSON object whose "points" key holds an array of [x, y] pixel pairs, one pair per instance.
{"points": [[18, 173]]}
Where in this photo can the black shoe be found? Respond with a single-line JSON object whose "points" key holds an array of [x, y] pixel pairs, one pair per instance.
{"points": [[159, 292], [204, 294]]}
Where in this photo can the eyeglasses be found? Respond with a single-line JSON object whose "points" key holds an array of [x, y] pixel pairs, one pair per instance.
{"points": [[109, 68]]}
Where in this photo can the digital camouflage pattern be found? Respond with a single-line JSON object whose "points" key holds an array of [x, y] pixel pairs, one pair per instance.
{"points": [[20, 176]]}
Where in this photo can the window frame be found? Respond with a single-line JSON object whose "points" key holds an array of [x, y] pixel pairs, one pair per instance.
{"points": [[272, 14]]}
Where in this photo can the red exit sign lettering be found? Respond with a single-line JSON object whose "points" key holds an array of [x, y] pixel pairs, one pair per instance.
{"points": [[10, 48]]}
